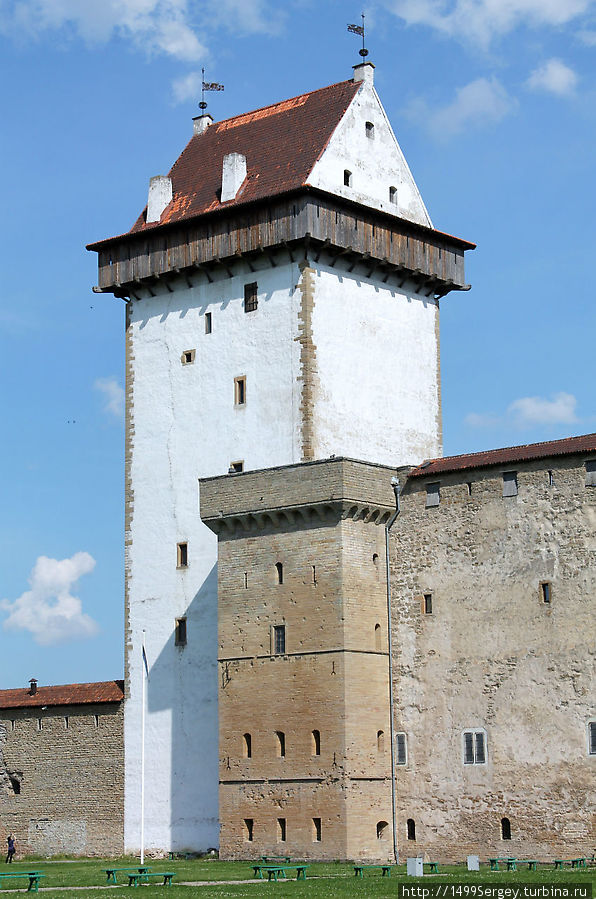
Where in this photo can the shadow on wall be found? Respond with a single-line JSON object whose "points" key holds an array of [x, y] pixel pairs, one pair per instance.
{"points": [[183, 680]]}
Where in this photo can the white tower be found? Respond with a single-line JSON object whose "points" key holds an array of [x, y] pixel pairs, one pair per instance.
{"points": [[282, 292]]}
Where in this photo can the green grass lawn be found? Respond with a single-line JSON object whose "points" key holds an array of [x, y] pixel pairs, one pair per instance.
{"points": [[324, 880]]}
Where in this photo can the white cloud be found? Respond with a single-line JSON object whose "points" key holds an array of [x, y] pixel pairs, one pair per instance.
{"points": [[554, 77], [187, 87], [588, 37], [113, 395], [481, 21], [531, 410], [480, 103], [48, 610]]}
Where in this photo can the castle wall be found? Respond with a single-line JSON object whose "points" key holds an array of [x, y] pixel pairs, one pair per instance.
{"points": [[69, 779], [494, 656]]}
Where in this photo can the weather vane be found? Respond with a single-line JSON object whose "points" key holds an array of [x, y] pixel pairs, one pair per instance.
{"points": [[359, 29], [207, 86]]}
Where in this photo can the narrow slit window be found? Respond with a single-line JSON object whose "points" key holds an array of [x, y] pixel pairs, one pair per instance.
{"points": [[40, 723], [96, 720], [281, 830], [401, 749], [208, 323], [510, 483], [592, 737], [182, 555], [66, 722], [281, 744], [411, 828], [279, 573], [246, 580], [370, 130], [433, 495], [240, 391], [347, 178], [378, 637], [251, 298], [380, 742], [591, 474], [546, 592], [393, 195], [279, 639], [180, 632], [469, 485], [188, 357], [12, 724], [316, 742], [551, 479], [316, 830], [314, 575], [248, 829], [428, 603], [247, 746], [505, 829]]}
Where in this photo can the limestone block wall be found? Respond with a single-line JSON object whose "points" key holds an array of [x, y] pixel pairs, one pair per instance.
{"points": [[62, 779], [494, 656]]}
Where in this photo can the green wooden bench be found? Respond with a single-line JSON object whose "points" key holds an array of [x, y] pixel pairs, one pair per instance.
{"points": [[385, 869], [494, 862], [434, 866], [532, 863], [135, 880], [111, 872], [274, 872], [574, 862], [276, 859], [33, 876]]}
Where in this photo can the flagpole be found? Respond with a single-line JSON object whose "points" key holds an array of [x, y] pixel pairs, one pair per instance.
{"points": [[143, 666]]}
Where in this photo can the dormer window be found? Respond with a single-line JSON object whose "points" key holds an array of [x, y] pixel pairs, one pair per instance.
{"points": [[370, 130], [393, 195], [347, 178]]}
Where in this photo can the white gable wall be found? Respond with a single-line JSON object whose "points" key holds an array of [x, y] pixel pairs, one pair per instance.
{"points": [[376, 164]]}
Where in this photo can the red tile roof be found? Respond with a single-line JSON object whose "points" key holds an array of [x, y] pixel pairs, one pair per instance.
{"points": [[507, 455], [67, 694], [281, 143]]}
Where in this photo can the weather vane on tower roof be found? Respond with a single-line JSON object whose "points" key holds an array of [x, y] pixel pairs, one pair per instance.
{"points": [[359, 29], [207, 86]]}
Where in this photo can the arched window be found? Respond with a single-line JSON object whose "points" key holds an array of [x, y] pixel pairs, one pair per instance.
{"points": [[382, 828], [281, 744], [505, 829], [411, 825], [347, 178], [393, 195], [247, 746], [316, 742], [380, 741], [378, 637], [279, 572], [370, 130]]}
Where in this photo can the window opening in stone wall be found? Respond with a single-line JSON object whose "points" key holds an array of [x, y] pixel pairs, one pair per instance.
{"points": [[251, 299], [15, 784], [182, 555], [401, 749], [375, 559], [377, 637], [370, 130], [393, 195], [188, 357], [236, 467], [546, 592], [316, 830], [248, 829], [551, 479], [180, 632], [316, 742], [428, 603], [281, 830], [382, 829], [411, 828], [12, 724], [281, 744], [469, 485], [66, 722], [247, 746], [505, 829], [96, 720], [380, 741], [246, 580], [510, 483], [314, 575], [279, 639], [433, 495], [474, 747], [208, 323], [279, 573], [591, 474], [40, 724], [592, 737], [347, 178], [240, 391]]}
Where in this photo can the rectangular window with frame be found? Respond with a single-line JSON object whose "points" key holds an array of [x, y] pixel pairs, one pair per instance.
{"points": [[433, 495], [510, 483], [428, 603], [591, 473], [208, 323], [236, 467], [251, 298], [279, 639], [474, 747], [401, 749], [180, 632], [240, 391], [592, 737], [182, 555], [546, 592]]}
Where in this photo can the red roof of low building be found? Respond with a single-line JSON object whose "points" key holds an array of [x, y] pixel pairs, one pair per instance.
{"points": [[66, 694], [281, 143], [507, 455]]}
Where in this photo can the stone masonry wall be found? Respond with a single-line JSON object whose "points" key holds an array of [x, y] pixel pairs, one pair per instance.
{"points": [[62, 787], [494, 656]]}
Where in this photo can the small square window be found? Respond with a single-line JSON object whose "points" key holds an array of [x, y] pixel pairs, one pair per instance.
{"points": [[474, 747], [182, 555], [401, 749], [188, 357], [180, 632], [279, 639], [591, 474], [240, 391], [433, 495], [546, 592], [347, 178], [251, 299], [236, 467], [510, 483], [208, 323]]}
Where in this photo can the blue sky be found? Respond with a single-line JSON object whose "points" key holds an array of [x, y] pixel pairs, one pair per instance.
{"points": [[493, 102]]}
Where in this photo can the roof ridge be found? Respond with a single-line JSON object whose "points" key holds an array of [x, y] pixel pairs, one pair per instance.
{"points": [[520, 446]]}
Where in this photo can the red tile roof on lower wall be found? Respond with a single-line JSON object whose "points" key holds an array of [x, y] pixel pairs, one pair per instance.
{"points": [[66, 694], [507, 455]]}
